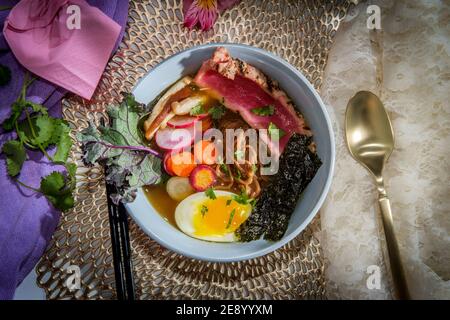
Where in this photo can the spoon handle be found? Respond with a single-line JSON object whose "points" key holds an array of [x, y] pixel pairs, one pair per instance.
{"points": [[398, 273]]}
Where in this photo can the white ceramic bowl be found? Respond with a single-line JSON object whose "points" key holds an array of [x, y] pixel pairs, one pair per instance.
{"points": [[305, 98]]}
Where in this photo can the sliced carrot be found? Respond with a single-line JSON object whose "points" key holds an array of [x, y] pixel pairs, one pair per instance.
{"points": [[181, 164], [168, 164], [202, 178], [205, 152]]}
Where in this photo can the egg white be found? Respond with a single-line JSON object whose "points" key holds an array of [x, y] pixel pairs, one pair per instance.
{"points": [[184, 217]]}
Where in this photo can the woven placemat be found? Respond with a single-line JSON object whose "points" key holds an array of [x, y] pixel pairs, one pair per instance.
{"points": [[300, 32]]}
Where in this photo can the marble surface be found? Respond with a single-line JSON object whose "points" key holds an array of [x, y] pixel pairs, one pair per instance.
{"points": [[407, 63]]}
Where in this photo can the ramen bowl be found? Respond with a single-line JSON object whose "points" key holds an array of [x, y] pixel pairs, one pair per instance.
{"points": [[304, 97]]}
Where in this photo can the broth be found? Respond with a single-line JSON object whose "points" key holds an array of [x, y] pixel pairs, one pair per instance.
{"points": [[162, 202]]}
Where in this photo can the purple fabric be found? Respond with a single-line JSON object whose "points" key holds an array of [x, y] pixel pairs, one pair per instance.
{"points": [[27, 220]]}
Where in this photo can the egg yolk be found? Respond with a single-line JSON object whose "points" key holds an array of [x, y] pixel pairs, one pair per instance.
{"points": [[219, 216]]}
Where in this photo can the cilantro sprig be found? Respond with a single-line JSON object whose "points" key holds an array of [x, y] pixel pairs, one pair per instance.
{"points": [[58, 188], [230, 220], [224, 168], [39, 131], [264, 111], [210, 193], [15, 156], [197, 110], [244, 199], [203, 210], [217, 111], [240, 154], [275, 132]]}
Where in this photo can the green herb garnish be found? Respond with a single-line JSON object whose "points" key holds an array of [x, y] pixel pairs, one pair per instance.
{"points": [[217, 111], [264, 111], [224, 168], [15, 156], [230, 220], [39, 131], [228, 202], [275, 132], [240, 154], [203, 210], [243, 198], [58, 188], [197, 110], [210, 193]]}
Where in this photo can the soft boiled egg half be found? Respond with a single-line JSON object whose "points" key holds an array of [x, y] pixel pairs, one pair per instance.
{"points": [[211, 219]]}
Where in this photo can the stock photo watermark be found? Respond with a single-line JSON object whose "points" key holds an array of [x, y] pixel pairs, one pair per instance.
{"points": [[238, 146], [374, 18], [74, 20], [373, 281], [73, 281]]}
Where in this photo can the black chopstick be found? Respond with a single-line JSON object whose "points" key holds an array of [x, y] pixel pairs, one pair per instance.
{"points": [[120, 243]]}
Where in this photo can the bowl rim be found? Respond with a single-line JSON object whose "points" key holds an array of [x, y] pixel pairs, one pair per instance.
{"points": [[278, 244]]}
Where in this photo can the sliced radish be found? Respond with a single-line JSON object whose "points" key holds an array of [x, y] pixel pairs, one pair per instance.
{"points": [[202, 116], [202, 177], [182, 121], [174, 139]]}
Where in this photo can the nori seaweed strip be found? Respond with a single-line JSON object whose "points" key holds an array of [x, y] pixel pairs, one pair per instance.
{"points": [[271, 214]]}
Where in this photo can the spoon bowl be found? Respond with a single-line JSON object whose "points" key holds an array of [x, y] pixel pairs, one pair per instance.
{"points": [[369, 133]]}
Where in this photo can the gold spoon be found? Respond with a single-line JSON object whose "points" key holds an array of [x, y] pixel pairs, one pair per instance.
{"points": [[370, 140]]}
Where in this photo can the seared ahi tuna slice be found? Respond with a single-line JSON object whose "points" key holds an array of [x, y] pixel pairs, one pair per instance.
{"points": [[243, 88]]}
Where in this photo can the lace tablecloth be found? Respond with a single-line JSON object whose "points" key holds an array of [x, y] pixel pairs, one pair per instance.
{"points": [[411, 52]]}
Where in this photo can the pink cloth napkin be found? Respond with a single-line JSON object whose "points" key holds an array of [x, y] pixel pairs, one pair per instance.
{"points": [[39, 36]]}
